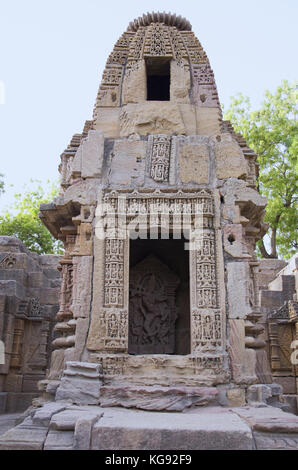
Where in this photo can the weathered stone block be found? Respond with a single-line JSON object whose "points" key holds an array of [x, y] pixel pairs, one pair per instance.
{"points": [[236, 396], [258, 393], [139, 430], [57, 440], [80, 383], [43, 415], [25, 436], [194, 163], [128, 162], [278, 441], [230, 161], [134, 84], [238, 289], [157, 398], [151, 117]]}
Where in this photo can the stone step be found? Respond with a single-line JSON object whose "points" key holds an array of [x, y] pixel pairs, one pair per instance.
{"points": [[60, 426], [157, 398], [217, 429]]}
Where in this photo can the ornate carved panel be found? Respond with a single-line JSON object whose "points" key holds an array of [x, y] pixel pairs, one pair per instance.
{"points": [[178, 46], [196, 53], [136, 45], [206, 333], [152, 312], [114, 331], [206, 286], [203, 74], [157, 41], [112, 75], [113, 275], [160, 146]]}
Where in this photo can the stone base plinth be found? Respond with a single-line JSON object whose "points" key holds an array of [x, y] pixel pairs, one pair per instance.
{"points": [[62, 426]]}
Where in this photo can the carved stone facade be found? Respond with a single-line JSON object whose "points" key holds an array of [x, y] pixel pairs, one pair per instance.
{"points": [[168, 169], [29, 301]]}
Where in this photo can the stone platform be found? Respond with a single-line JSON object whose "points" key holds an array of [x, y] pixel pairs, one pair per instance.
{"points": [[8, 421], [61, 426]]}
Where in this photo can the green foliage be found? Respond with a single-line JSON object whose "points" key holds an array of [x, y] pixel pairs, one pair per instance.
{"points": [[22, 220], [1, 184], [272, 132]]}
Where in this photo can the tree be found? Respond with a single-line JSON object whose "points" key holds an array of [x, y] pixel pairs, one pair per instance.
{"points": [[272, 132], [22, 220], [1, 184]]}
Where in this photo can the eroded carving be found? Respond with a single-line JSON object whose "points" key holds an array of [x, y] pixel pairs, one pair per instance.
{"points": [[207, 330], [8, 261], [152, 312], [113, 326], [113, 276], [160, 157], [206, 285]]}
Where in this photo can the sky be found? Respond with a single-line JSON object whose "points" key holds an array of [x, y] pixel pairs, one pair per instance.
{"points": [[53, 53]]}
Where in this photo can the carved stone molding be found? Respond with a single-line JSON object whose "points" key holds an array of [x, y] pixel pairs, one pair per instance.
{"points": [[166, 369]]}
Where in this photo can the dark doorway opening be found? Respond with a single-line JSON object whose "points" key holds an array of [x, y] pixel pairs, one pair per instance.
{"points": [[159, 300], [158, 79]]}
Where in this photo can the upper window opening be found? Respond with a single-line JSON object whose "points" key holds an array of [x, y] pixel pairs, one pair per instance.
{"points": [[158, 79]]}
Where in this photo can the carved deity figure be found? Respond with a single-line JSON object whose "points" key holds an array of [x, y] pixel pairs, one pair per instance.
{"points": [[152, 316]]}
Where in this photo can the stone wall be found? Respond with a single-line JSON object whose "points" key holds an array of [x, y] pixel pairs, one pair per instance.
{"points": [[278, 283], [29, 298]]}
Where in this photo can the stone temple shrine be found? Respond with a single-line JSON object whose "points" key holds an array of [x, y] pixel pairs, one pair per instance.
{"points": [[159, 213]]}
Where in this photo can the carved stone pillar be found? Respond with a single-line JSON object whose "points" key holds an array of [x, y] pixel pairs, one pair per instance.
{"points": [[64, 327]]}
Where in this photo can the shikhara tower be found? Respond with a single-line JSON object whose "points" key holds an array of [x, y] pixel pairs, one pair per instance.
{"points": [[145, 311]]}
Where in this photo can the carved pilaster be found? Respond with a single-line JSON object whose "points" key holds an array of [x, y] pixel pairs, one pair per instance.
{"points": [[16, 355], [274, 346], [65, 327]]}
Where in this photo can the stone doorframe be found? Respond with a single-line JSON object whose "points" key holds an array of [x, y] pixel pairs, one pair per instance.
{"points": [[108, 334]]}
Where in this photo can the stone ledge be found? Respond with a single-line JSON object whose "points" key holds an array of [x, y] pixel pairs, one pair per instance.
{"points": [[157, 397], [52, 427], [141, 430]]}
